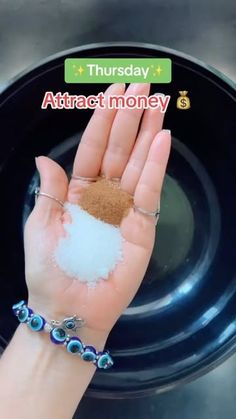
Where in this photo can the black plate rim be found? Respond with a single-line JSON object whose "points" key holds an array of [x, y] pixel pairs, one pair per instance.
{"points": [[142, 45], [215, 360]]}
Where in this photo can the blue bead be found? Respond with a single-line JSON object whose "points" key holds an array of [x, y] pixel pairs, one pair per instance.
{"points": [[74, 345], [36, 323], [58, 335], [104, 361], [23, 314], [17, 306], [89, 354], [70, 324]]}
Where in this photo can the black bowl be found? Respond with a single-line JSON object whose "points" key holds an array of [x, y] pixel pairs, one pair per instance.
{"points": [[182, 321]]}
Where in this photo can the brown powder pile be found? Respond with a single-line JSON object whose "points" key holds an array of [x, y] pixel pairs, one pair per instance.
{"points": [[106, 201]]}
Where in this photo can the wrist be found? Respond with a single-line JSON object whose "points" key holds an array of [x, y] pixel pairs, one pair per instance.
{"points": [[50, 379], [89, 344], [43, 373], [86, 333], [40, 342]]}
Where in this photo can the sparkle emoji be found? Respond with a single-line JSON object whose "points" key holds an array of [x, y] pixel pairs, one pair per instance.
{"points": [[78, 71], [157, 71]]}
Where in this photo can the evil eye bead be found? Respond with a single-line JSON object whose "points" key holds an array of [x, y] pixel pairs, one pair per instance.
{"points": [[18, 306], [58, 335], [70, 324], [74, 346], [23, 314], [89, 354], [104, 360], [36, 323]]}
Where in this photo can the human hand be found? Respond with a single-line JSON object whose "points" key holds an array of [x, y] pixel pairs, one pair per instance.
{"points": [[114, 145]]}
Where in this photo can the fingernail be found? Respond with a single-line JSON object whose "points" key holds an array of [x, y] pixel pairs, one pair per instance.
{"points": [[167, 130], [116, 86]]}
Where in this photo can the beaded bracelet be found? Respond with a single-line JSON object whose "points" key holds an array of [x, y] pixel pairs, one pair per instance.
{"points": [[59, 335]]}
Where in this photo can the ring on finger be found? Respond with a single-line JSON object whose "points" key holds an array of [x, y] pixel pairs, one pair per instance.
{"points": [[149, 213], [113, 179], [37, 193], [84, 178]]}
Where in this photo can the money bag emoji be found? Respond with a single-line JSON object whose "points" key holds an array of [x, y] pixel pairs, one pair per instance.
{"points": [[183, 102]]}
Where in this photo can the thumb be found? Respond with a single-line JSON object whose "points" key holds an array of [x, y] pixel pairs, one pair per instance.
{"points": [[54, 182]]}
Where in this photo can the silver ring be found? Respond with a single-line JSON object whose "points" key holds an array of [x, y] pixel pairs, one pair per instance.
{"points": [[149, 213], [37, 193]]}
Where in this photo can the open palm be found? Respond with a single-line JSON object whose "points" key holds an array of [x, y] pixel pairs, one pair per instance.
{"points": [[115, 144]]}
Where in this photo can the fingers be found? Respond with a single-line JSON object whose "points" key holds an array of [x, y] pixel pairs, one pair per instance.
{"points": [[94, 140], [151, 125], [53, 181], [148, 189], [123, 135]]}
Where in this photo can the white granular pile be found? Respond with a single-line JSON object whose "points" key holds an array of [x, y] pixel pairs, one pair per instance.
{"points": [[91, 248]]}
